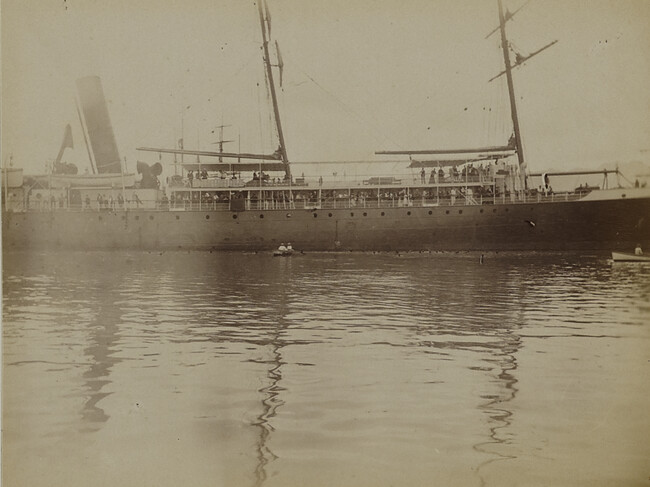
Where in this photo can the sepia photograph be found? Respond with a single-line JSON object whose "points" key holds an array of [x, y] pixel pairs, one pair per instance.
{"points": [[278, 243]]}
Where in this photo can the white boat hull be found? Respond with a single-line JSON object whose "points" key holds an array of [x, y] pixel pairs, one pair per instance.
{"points": [[625, 257], [91, 181]]}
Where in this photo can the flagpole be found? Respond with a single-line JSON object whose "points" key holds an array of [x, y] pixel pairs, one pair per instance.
{"points": [[122, 167], [182, 134], [6, 175], [50, 185]]}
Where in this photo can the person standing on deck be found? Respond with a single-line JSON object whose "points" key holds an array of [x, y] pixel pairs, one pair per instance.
{"points": [[638, 250]]}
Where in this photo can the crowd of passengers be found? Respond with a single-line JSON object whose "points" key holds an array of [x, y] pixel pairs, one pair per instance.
{"points": [[468, 173], [303, 198], [261, 177]]}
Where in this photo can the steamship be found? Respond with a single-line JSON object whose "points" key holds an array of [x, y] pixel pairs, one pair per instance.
{"points": [[479, 199]]}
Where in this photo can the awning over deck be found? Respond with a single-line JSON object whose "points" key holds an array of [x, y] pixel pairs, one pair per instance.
{"points": [[267, 162], [234, 166], [458, 162], [476, 150]]}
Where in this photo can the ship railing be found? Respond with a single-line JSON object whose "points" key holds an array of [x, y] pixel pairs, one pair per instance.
{"points": [[209, 183], [385, 200], [552, 197], [338, 181], [228, 182], [96, 206]]}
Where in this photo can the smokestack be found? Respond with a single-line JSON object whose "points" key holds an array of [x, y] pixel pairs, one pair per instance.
{"points": [[98, 125]]}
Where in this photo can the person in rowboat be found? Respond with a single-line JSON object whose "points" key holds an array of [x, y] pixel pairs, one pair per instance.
{"points": [[282, 248]]}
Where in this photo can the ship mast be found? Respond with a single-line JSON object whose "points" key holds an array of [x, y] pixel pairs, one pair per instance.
{"points": [[274, 99], [511, 92]]}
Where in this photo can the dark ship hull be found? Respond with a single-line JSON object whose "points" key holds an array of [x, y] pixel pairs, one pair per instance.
{"points": [[617, 221], [362, 217]]}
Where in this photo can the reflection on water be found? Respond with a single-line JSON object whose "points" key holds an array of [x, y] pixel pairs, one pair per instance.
{"points": [[497, 406], [271, 391], [102, 341], [323, 369], [270, 403]]}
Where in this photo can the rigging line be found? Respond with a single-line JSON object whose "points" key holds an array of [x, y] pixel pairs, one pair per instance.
{"points": [[371, 162], [273, 129], [509, 16], [489, 118], [499, 119], [456, 117], [241, 68], [259, 114], [226, 83], [378, 135]]}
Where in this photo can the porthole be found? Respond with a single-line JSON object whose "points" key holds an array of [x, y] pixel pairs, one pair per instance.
{"points": [[315, 215], [261, 216], [460, 212], [365, 214], [383, 214], [481, 211], [352, 214], [123, 217], [207, 217], [234, 217], [150, 217], [430, 212], [447, 212], [494, 210], [408, 213], [288, 215], [178, 217], [330, 215], [100, 218], [137, 217], [507, 209]]}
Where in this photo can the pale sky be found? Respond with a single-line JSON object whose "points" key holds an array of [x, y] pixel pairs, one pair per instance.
{"points": [[359, 76]]}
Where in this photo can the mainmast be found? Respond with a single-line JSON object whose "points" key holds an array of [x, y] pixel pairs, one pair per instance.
{"points": [[511, 91], [274, 99]]}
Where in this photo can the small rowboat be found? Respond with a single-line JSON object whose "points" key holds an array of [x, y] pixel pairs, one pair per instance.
{"points": [[283, 253], [625, 257]]}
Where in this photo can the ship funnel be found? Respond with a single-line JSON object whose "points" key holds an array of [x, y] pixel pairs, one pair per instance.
{"points": [[98, 125]]}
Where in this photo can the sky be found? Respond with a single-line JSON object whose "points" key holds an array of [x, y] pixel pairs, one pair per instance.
{"points": [[359, 76]]}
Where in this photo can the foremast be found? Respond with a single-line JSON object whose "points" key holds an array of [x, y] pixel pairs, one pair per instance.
{"points": [[264, 21], [511, 92]]}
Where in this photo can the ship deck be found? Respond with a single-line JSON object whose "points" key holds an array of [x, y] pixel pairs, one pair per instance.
{"points": [[272, 202]]}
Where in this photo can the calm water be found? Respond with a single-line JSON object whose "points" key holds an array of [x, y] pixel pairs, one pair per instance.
{"points": [[206, 369]]}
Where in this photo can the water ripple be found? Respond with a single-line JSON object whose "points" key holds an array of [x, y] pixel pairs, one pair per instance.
{"points": [[351, 359]]}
